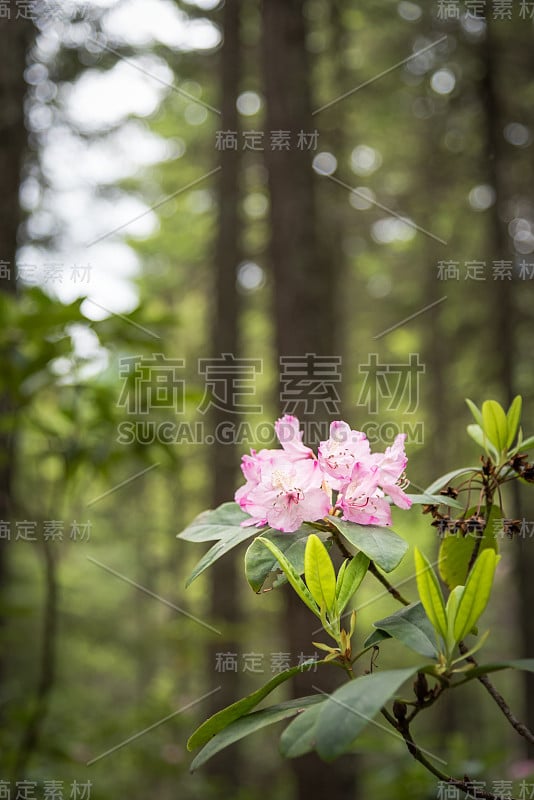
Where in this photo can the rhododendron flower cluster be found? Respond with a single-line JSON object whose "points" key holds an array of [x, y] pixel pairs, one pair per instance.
{"points": [[287, 487]]}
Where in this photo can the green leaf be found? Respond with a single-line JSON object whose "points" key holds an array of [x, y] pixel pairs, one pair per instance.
{"points": [[341, 575], [349, 709], [513, 418], [525, 664], [299, 736], [292, 576], [215, 524], [525, 445], [476, 593], [353, 574], [452, 609], [433, 500], [495, 425], [250, 723], [472, 650], [455, 551], [262, 568], [477, 434], [475, 411], [382, 545], [232, 538], [319, 573], [430, 593], [227, 715], [412, 627], [444, 480], [376, 637]]}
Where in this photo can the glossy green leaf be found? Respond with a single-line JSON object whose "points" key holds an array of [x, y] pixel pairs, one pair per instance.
{"points": [[494, 424], [299, 736], [215, 524], [513, 418], [451, 609], [526, 444], [475, 411], [376, 637], [250, 723], [477, 434], [350, 708], [319, 573], [382, 545], [227, 715], [262, 569], [430, 593], [434, 499], [353, 574], [292, 576], [524, 664], [444, 480], [411, 626], [232, 538], [472, 650], [455, 551], [476, 594], [341, 575]]}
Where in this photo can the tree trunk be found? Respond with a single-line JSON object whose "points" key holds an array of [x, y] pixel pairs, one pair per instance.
{"points": [[504, 351], [15, 37], [225, 579], [304, 296]]}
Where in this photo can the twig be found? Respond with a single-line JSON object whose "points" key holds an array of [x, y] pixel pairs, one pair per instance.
{"points": [[466, 785], [384, 581], [520, 727]]}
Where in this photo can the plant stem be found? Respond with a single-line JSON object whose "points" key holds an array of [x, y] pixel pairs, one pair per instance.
{"points": [[520, 727], [384, 581], [466, 785]]}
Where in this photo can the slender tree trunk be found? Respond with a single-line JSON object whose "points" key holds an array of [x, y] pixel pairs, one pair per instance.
{"points": [[504, 351], [225, 580], [15, 37], [304, 298]]}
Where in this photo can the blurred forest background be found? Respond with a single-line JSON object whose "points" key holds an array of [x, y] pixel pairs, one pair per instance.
{"points": [[282, 182]]}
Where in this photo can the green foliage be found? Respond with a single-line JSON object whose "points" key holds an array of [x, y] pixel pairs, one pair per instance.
{"points": [[300, 735], [445, 480], [456, 551], [513, 418], [452, 622], [433, 499], [430, 594], [216, 524], [476, 593], [495, 429], [262, 568], [350, 576], [222, 525], [324, 594], [222, 719], [319, 574], [411, 626], [251, 723], [381, 545], [350, 708]]}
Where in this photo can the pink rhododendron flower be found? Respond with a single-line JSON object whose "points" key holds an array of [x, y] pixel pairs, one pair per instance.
{"points": [[361, 500], [287, 494], [290, 437], [287, 487], [251, 469], [339, 454], [391, 465]]}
